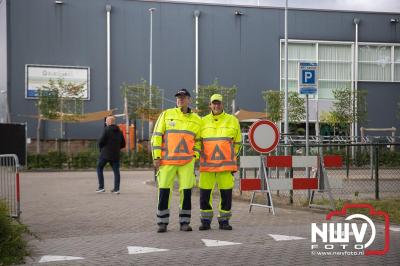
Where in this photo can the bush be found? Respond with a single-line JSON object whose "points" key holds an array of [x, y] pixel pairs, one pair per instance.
{"points": [[52, 160], [141, 158], [85, 159], [389, 158], [12, 245]]}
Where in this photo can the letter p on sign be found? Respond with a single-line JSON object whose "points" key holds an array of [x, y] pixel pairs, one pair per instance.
{"points": [[308, 77]]}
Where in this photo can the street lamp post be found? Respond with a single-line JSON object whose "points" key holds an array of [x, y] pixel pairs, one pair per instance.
{"points": [[286, 124], [151, 10]]}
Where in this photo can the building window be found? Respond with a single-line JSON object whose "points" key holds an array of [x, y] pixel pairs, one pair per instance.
{"points": [[334, 61], [396, 64], [374, 63], [297, 52], [335, 65]]}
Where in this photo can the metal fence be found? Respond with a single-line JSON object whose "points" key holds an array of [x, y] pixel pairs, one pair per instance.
{"points": [[9, 183], [371, 170]]}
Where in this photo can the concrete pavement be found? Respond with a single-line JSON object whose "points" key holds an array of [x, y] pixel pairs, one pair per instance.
{"points": [[67, 218]]}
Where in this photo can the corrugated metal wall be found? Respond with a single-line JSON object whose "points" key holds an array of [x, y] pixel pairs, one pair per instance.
{"points": [[237, 50]]}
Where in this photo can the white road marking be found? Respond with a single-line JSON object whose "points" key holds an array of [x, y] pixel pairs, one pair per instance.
{"points": [[285, 238], [49, 258], [217, 243], [141, 250]]}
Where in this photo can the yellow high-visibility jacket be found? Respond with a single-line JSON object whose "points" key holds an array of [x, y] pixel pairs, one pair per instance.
{"points": [[176, 137], [221, 140]]}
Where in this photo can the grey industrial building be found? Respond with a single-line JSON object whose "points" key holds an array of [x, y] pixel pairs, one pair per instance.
{"points": [[237, 44]]}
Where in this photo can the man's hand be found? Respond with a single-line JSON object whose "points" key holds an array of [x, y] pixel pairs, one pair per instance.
{"points": [[156, 163]]}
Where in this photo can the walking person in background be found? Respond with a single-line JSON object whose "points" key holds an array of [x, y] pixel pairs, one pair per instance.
{"points": [[110, 144], [175, 146], [221, 140]]}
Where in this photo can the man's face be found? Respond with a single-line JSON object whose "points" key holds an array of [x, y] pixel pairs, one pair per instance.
{"points": [[110, 120], [217, 107], [182, 101]]}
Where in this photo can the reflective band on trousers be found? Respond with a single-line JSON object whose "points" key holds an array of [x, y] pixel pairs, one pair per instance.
{"points": [[184, 219], [185, 212], [184, 216], [223, 216], [177, 147], [205, 214], [163, 216], [218, 155]]}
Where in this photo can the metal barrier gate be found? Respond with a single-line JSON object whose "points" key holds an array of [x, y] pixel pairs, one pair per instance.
{"points": [[9, 183]]}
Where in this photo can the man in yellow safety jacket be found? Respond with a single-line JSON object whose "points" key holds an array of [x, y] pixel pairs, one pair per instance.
{"points": [[175, 146], [221, 141]]}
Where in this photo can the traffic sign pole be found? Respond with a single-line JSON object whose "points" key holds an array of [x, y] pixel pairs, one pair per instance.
{"points": [[307, 140], [263, 138], [308, 84]]}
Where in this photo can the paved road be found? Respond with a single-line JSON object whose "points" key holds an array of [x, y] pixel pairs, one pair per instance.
{"points": [[67, 218]]}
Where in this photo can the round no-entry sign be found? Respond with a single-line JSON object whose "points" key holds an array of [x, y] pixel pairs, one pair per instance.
{"points": [[263, 136]]}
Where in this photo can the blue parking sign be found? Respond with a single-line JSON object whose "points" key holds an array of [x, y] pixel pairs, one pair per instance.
{"points": [[308, 80]]}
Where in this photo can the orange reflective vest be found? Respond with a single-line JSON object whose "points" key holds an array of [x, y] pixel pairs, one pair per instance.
{"points": [[175, 139], [218, 155], [221, 139], [177, 147]]}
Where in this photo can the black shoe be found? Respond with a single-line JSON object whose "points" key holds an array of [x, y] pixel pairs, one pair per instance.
{"points": [[100, 190], [225, 226], [186, 227], [162, 228], [115, 191], [204, 226]]}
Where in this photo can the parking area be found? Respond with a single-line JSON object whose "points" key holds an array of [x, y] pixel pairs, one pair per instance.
{"points": [[72, 225]]}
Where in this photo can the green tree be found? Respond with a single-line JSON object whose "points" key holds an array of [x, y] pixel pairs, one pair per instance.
{"points": [[59, 100], [330, 119], [139, 104], [297, 110], [138, 96], [343, 112], [205, 92], [274, 100], [275, 106]]}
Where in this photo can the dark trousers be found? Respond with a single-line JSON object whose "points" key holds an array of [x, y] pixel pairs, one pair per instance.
{"points": [[100, 167]]}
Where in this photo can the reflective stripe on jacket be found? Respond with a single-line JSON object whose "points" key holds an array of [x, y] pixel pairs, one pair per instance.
{"points": [[221, 140], [176, 137]]}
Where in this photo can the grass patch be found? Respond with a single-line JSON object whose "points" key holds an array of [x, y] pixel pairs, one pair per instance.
{"points": [[12, 246], [390, 206]]}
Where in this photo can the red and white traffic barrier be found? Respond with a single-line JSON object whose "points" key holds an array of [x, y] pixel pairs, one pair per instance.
{"points": [[295, 183]]}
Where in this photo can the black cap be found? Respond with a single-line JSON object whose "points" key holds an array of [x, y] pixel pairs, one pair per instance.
{"points": [[182, 92]]}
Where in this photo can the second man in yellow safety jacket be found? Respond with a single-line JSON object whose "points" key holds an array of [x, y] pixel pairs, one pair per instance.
{"points": [[221, 139], [175, 146]]}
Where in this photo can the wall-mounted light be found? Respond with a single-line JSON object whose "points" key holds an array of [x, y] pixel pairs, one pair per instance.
{"points": [[58, 2], [238, 13], [394, 20]]}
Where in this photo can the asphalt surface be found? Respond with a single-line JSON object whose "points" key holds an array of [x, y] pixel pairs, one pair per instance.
{"points": [[67, 218]]}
